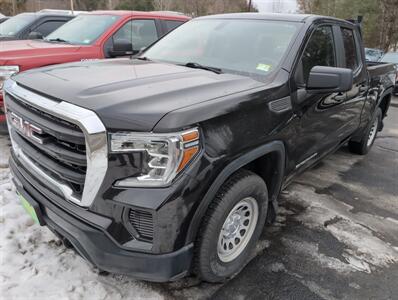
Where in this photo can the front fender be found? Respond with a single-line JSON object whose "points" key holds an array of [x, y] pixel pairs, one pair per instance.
{"points": [[276, 147]]}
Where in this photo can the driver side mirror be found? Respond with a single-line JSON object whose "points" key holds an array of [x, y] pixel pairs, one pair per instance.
{"points": [[323, 80], [121, 48], [34, 35]]}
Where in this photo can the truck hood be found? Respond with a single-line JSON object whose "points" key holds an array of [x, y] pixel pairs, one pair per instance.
{"points": [[132, 94], [15, 50]]}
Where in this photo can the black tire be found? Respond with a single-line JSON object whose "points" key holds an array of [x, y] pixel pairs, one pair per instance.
{"points": [[242, 185], [362, 147]]}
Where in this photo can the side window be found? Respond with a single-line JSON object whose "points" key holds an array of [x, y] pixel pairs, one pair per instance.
{"points": [[171, 25], [318, 52], [47, 27], [141, 33], [351, 57]]}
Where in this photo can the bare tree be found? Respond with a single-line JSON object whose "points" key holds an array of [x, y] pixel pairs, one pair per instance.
{"points": [[164, 4], [389, 24], [202, 7], [12, 7]]}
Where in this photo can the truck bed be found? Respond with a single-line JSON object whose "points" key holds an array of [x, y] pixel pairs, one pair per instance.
{"points": [[380, 66], [380, 70]]}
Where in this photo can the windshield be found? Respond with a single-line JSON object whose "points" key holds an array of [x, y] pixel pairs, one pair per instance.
{"points": [[82, 30], [373, 54], [391, 57], [247, 47], [14, 25]]}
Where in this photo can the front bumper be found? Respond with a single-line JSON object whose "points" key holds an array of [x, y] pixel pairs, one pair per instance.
{"points": [[98, 248]]}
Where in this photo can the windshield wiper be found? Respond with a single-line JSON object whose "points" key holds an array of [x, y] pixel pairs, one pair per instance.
{"points": [[57, 40], [195, 65], [143, 58]]}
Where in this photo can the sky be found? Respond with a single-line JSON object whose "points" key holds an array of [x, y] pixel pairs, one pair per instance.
{"points": [[280, 6]]}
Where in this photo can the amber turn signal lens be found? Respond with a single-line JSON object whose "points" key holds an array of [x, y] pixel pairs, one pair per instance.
{"points": [[187, 156], [190, 136]]}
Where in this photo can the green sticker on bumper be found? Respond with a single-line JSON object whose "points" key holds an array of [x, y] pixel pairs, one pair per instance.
{"points": [[29, 208]]}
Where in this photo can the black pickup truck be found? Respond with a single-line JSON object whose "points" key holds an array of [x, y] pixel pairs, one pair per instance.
{"points": [[171, 163]]}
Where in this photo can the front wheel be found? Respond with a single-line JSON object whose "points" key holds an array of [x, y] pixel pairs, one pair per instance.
{"points": [[363, 146], [231, 227]]}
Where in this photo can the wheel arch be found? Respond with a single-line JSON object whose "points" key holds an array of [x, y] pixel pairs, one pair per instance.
{"points": [[384, 102], [273, 151]]}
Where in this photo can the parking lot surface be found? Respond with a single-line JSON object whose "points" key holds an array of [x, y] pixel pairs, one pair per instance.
{"points": [[337, 231], [336, 237]]}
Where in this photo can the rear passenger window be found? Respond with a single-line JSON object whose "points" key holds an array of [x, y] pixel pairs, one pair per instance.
{"points": [[171, 25], [318, 52], [48, 27], [351, 57]]}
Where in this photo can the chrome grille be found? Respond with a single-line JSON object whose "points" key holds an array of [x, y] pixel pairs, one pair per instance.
{"points": [[64, 146]]}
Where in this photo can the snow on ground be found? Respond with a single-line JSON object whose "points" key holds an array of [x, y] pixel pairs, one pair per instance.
{"points": [[35, 265], [363, 247]]}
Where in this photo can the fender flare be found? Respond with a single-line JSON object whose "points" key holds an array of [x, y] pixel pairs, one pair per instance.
{"points": [[362, 129], [276, 147], [386, 93]]}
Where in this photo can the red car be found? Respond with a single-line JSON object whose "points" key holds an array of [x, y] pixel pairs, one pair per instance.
{"points": [[95, 35]]}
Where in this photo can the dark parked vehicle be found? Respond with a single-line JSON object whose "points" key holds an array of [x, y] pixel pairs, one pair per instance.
{"points": [[392, 57], [373, 54], [171, 163], [33, 25]]}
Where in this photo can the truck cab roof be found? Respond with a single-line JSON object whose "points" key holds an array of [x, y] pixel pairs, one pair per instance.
{"points": [[60, 12], [303, 18], [129, 13]]}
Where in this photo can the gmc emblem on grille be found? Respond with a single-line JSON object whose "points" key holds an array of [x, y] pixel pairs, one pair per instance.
{"points": [[24, 127]]}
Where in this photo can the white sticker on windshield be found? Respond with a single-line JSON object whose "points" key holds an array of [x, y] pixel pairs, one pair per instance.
{"points": [[264, 67]]}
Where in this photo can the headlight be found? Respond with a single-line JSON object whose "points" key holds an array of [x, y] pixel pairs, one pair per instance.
{"points": [[165, 155], [6, 72]]}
